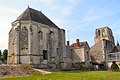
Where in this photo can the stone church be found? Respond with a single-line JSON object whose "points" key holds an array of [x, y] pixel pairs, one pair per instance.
{"points": [[35, 40]]}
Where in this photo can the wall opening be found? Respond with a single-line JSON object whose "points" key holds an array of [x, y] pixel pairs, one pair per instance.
{"points": [[98, 32], [45, 55]]}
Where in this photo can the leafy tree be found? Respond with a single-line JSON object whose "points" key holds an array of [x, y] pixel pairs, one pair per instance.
{"points": [[4, 54]]}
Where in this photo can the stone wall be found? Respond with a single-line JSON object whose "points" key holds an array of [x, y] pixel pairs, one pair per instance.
{"points": [[96, 52], [78, 55]]}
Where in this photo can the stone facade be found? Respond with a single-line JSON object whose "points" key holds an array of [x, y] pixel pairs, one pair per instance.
{"points": [[104, 43], [80, 53], [36, 41], [103, 33], [114, 55]]}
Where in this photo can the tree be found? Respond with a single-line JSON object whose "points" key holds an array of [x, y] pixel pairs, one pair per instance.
{"points": [[4, 54]]}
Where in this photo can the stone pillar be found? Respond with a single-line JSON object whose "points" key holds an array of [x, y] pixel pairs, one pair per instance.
{"points": [[16, 45], [30, 42]]}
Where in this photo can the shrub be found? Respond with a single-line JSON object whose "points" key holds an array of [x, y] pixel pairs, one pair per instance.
{"points": [[25, 66], [114, 66]]}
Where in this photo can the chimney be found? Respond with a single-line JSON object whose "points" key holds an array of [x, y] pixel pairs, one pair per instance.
{"points": [[68, 43], [77, 43]]}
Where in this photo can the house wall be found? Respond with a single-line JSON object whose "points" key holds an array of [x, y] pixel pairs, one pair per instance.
{"points": [[78, 55]]}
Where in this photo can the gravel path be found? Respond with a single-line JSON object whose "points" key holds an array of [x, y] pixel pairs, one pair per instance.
{"points": [[43, 71]]}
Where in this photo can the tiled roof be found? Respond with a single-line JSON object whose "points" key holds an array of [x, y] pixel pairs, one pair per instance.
{"points": [[34, 15], [115, 49]]}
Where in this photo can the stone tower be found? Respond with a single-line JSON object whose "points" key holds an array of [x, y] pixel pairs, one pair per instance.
{"points": [[103, 33], [104, 43]]}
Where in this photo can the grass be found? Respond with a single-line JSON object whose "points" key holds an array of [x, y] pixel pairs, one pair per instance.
{"points": [[92, 75]]}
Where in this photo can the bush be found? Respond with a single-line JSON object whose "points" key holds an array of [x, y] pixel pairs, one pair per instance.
{"points": [[25, 66], [114, 66]]}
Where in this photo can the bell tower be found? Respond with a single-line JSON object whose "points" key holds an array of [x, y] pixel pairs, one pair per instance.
{"points": [[104, 33]]}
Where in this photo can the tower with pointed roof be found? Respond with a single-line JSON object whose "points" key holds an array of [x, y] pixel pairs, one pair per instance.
{"points": [[35, 40]]}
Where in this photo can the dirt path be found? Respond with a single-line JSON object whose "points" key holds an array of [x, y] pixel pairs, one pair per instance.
{"points": [[43, 71]]}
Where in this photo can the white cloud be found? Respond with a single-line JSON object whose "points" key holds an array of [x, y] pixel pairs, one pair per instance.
{"points": [[48, 3], [91, 18], [8, 10], [7, 16], [73, 1], [115, 24], [116, 32], [99, 11], [66, 8], [3, 42]]}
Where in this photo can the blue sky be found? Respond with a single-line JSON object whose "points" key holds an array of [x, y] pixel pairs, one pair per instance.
{"points": [[79, 18]]}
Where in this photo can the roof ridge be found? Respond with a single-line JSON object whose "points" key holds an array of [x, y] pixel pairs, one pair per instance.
{"points": [[37, 16], [29, 12]]}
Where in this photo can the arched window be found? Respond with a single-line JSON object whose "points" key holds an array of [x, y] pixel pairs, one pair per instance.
{"points": [[40, 33], [103, 32], [51, 34], [24, 38], [87, 55], [31, 30], [98, 32]]}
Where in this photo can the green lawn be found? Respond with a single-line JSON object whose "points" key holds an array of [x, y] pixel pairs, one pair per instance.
{"points": [[92, 75]]}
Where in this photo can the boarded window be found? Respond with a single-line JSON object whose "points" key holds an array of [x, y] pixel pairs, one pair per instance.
{"points": [[45, 55]]}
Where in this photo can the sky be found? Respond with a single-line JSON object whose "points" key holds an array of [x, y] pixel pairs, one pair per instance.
{"points": [[79, 18]]}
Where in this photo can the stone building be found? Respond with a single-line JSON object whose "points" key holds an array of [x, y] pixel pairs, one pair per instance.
{"points": [[35, 40], [114, 55], [104, 43], [80, 51]]}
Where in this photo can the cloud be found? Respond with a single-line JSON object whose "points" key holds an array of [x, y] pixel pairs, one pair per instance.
{"points": [[116, 23], [3, 42], [116, 32], [8, 10], [73, 1], [99, 11], [7, 15], [91, 18], [65, 7]]}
